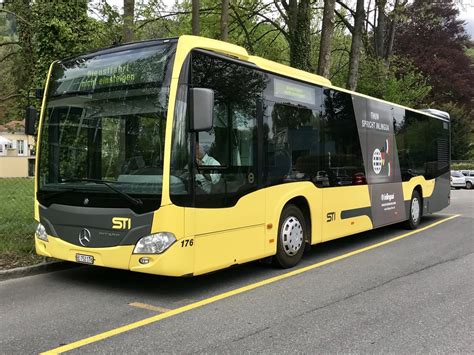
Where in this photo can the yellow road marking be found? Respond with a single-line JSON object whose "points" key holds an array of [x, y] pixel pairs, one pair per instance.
{"points": [[149, 307], [173, 312]]}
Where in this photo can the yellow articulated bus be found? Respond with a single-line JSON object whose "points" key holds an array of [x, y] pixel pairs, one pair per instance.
{"points": [[184, 156]]}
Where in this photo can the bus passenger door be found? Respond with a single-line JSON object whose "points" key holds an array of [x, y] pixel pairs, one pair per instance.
{"points": [[229, 207]]}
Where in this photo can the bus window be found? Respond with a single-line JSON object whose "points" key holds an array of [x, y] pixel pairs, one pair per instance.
{"points": [[423, 145], [228, 166], [292, 143], [342, 152], [292, 134]]}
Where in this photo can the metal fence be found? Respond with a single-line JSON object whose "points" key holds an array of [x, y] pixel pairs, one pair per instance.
{"points": [[17, 223]]}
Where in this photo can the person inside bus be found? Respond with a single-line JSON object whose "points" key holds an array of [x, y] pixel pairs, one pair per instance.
{"points": [[203, 180]]}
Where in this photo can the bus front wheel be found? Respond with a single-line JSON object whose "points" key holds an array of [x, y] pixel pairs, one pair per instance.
{"points": [[414, 215], [291, 237]]}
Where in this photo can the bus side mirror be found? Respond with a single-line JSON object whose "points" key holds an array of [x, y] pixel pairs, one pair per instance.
{"points": [[202, 108], [39, 92], [30, 120]]}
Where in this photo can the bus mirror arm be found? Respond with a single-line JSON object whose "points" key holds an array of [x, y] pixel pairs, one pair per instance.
{"points": [[30, 120], [202, 107]]}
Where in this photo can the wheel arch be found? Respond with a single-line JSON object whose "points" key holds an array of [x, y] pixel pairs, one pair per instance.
{"points": [[419, 189], [302, 203]]}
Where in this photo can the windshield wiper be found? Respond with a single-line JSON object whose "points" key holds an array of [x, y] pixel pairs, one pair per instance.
{"points": [[135, 201], [57, 193]]}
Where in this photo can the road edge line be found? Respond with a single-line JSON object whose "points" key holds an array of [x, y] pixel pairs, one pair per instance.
{"points": [[198, 304]]}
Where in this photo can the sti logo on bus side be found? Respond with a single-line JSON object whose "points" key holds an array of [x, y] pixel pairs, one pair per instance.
{"points": [[121, 223], [330, 217]]}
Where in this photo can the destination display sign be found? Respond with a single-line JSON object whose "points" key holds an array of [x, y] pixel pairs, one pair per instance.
{"points": [[295, 92], [106, 71], [117, 75]]}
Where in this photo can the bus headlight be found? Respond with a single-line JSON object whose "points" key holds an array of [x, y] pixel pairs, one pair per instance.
{"points": [[41, 232], [155, 243]]}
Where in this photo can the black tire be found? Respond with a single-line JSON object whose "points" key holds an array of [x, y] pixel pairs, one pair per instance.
{"points": [[414, 214], [468, 185], [292, 233]]}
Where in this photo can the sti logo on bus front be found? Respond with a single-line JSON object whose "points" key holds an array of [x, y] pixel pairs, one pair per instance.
{"points": [[121, 223]]}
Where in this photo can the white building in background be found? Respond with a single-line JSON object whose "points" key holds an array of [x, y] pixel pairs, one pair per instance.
{"points": [[17, 151]]}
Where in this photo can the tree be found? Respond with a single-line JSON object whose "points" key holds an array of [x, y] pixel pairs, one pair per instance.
{"points": [[225, 20], [128, 20], [18, 59], [461, 129], [60, 30], [435, 40], [296, 17], [195, 18], [324, 63], [47, 31], [356, 45], [401, 83]]}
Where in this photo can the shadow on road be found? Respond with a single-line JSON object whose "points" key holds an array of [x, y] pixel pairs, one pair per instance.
{"points": [[172, 290]]}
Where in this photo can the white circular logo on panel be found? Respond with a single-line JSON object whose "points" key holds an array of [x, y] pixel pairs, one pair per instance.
{"points": [[377, 161]]}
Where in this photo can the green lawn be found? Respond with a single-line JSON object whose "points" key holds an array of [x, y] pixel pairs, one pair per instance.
{"points": [[17, 223]]}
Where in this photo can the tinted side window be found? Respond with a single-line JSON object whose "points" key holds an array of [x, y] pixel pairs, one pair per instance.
{"points": [[423, 144], [342, 161], [292, 144], [226, 156]]}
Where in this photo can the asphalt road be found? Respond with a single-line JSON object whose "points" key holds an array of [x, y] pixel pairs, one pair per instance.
{"points": [[415, 294]]}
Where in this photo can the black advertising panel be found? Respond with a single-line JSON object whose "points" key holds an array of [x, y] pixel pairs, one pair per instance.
{"points": [[379, 151]]}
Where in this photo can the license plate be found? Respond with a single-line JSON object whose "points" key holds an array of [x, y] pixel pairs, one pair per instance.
{"points": [[85, 259]]}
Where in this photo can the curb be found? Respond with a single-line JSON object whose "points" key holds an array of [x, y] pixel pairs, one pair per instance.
{"points": [[42, 268]]}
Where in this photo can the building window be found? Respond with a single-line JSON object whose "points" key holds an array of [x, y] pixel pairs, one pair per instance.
{"points": [[20, 146]]}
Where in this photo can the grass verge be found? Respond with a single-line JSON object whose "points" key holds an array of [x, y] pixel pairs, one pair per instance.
{"points": [[17, 223]]}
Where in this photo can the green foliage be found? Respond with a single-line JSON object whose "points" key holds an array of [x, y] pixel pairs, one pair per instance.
{"points": [[401, 83], [61, 29], [462, 131], [465, 165], [341, 47], [47, 31], [470, 53]]}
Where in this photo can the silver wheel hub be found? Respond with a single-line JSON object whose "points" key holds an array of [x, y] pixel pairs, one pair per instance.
{"points": [[291, 235], [415, 210]]}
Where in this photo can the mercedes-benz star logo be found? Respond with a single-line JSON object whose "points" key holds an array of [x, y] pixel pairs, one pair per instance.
{"points": [[84, 237]]}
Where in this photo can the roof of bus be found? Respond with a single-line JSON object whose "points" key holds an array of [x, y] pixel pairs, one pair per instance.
{"points": [[277, 68], [241, 53]]}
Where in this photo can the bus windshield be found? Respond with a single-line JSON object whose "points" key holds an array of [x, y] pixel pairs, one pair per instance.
{"points": [[105, 122]]}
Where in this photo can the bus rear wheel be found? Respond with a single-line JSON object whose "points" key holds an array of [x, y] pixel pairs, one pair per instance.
{"points": [[292, 234], [416, 206]]}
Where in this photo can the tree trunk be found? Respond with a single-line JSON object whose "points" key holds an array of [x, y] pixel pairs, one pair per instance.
{"points": [[356, 45], [391, 33], [195, 18], [299, 18], [128, 17], [225, 20], [324, 64], [381, 29]]}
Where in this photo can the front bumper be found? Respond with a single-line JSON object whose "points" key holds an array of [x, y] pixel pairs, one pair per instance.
{"points": [[176, 261]]}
